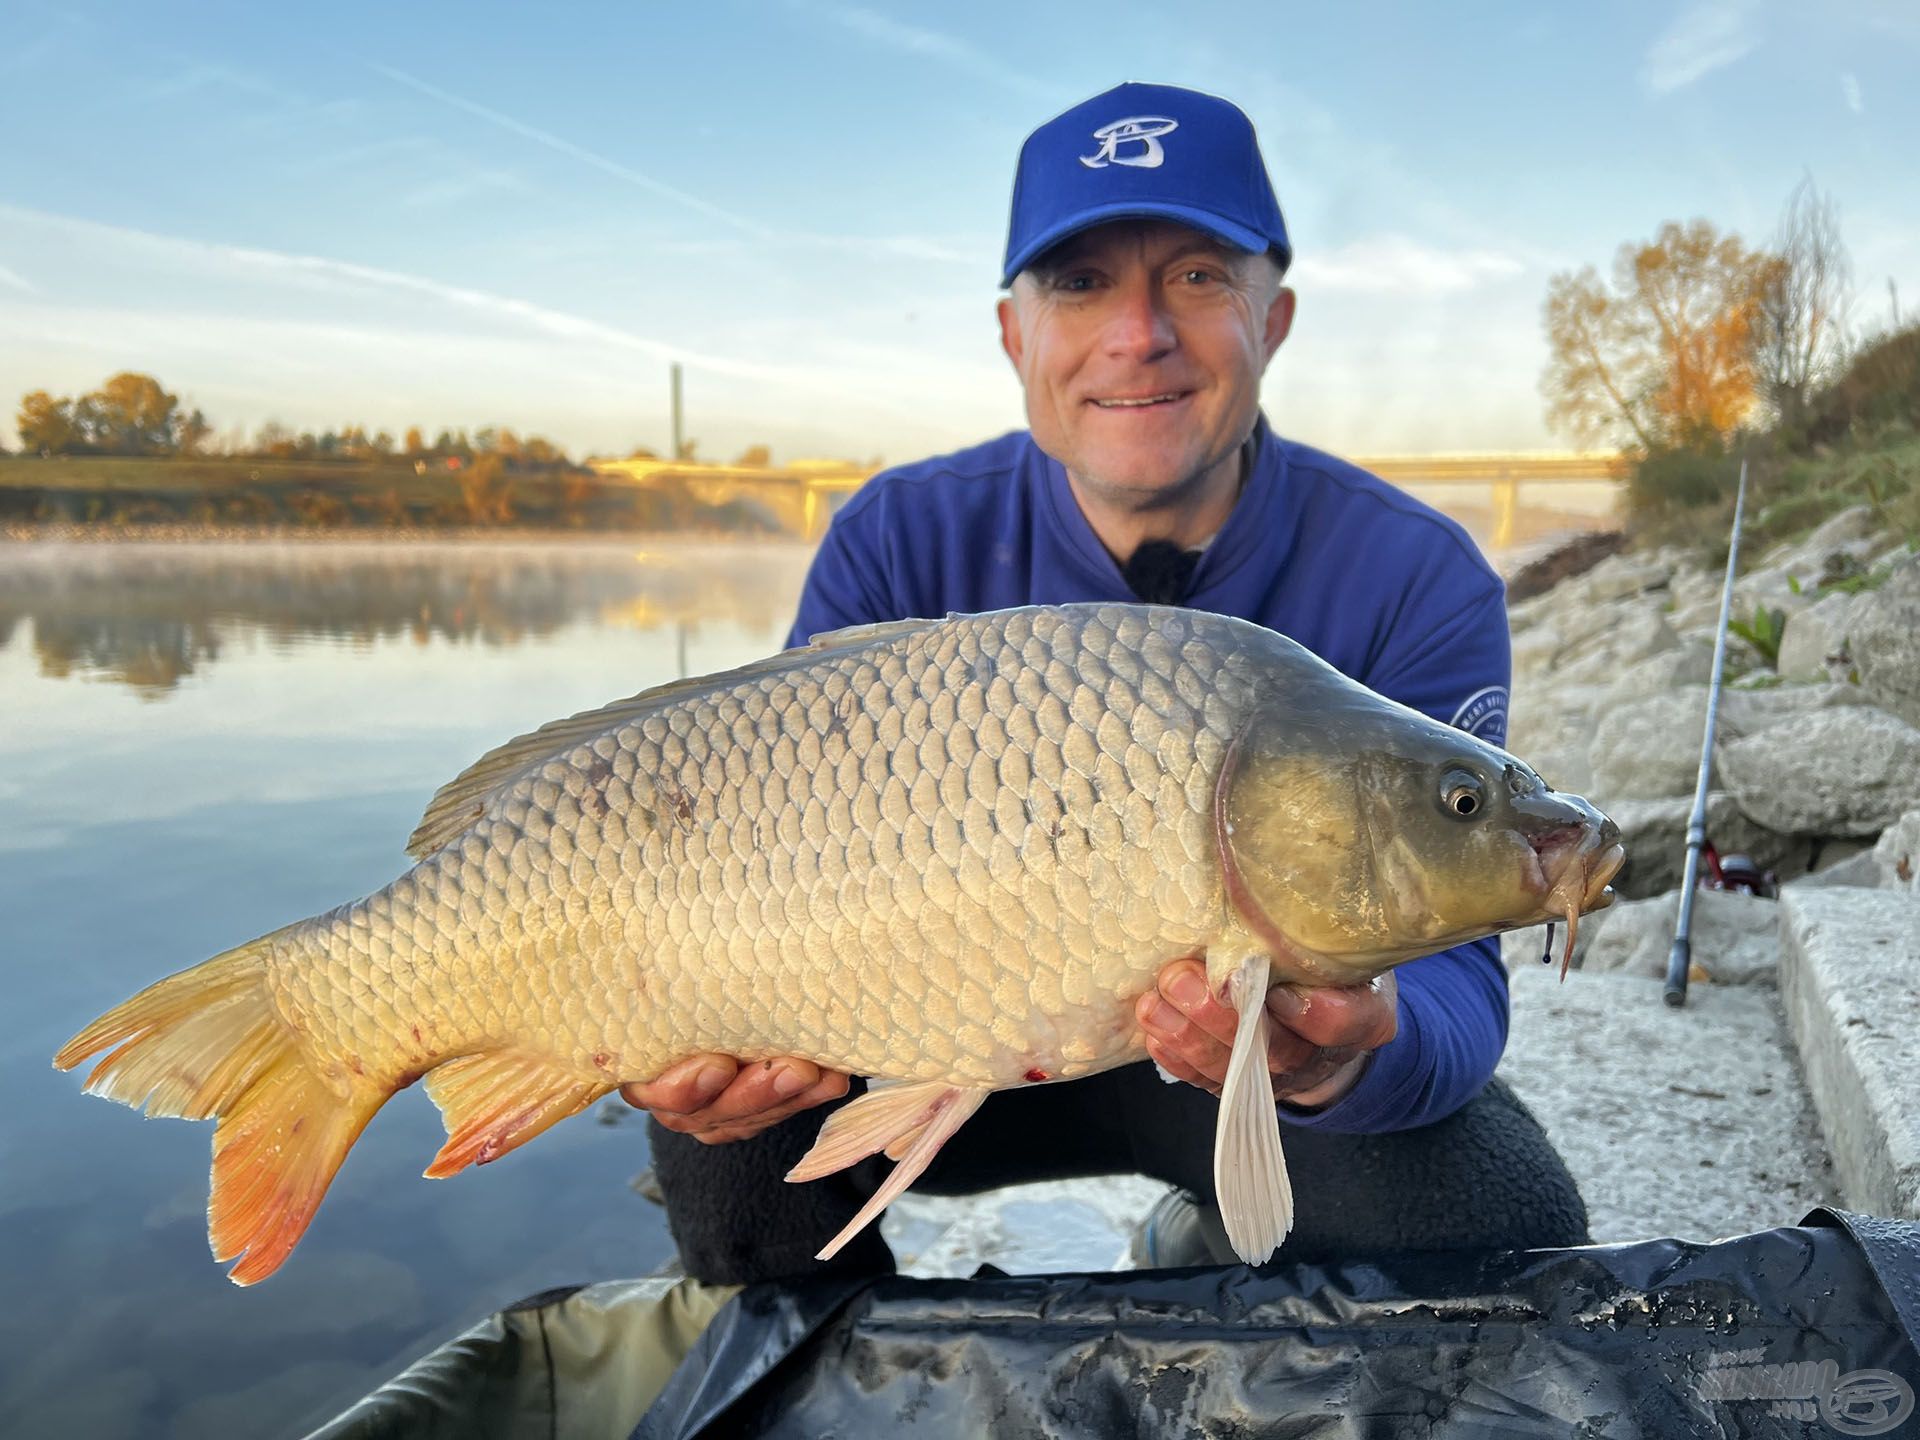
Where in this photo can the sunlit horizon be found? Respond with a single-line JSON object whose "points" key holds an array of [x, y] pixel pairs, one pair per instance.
{"points": [[389, 220]]}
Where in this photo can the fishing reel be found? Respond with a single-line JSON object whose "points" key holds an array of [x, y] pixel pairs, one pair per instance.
{"points": [[1737, 872]]}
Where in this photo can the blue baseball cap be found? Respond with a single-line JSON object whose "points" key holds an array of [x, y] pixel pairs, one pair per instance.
{"points": [[1144, 151]]}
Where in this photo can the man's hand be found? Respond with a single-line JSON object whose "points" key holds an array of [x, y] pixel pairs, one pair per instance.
{"points": [[715, 1098], [1316, 1048]]}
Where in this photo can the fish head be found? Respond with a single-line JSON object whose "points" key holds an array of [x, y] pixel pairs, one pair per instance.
{"points": [[1360, 834]]}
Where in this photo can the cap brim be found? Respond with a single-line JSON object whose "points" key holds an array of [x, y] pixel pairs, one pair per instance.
{"points": [[1238, 236]]}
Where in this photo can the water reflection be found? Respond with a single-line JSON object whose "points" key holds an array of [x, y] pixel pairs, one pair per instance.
{"points": [[150, 614], [272, 724]]}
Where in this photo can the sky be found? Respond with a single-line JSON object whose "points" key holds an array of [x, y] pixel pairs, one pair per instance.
{"points": [[518, 215]]}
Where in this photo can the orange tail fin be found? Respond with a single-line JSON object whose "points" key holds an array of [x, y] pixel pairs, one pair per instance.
{"points": [[209, 1042]]}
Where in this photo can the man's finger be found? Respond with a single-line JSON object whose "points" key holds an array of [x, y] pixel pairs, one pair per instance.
{"points": [[685, 1088], [1183, 985], [715, 1125], [1179, 1068], [1363, 1015], [1288, 1053]]}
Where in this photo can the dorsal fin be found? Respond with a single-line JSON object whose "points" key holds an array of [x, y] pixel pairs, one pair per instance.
{"points": [[864, 634], [469, 795]]}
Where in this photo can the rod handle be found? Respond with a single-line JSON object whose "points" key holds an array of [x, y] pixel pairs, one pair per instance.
{"points": [[1679, 962]]}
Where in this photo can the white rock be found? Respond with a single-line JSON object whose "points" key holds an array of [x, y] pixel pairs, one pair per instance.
{"points": [[1898, 854], [1771, 588], [1650, 748], [1859, 870], [1884, 639], [1746, 711], [1847, 531], [1619, 576], [1846, 771], [1631, 633], [1689, 662], [1736, 937], [1814, 636]]}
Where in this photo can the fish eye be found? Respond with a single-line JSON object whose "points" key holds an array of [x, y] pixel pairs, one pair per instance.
{"points": [[1462, 794]]}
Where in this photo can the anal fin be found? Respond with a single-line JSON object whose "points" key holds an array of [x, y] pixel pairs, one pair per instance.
{"points": [[922, 1116], [1249, 1169], [498, 1100]]}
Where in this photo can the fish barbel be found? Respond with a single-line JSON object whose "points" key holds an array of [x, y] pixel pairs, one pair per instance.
{"points": [[946, 855]]}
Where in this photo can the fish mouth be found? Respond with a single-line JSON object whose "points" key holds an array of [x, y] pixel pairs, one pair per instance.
{"points": [[1577, 865]]}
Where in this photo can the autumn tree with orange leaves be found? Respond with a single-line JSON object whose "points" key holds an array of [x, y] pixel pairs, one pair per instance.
{"points": [[1666, 354]]}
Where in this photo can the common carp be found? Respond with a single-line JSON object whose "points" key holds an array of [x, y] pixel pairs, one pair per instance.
{"points": [[946, 855]]}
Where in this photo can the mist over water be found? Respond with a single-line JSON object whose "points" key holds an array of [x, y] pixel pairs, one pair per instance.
{"points": [[202, 743]]}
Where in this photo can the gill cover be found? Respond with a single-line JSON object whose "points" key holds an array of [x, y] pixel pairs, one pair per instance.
{"points": [[1357, 833]]}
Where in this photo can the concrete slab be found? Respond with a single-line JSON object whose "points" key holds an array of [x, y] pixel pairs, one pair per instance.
{"points": [[1850, 981], [1692, 1122]]}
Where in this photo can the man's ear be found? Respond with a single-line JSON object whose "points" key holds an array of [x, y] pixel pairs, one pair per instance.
{"points": [[1010, 337], [1279, 319]]}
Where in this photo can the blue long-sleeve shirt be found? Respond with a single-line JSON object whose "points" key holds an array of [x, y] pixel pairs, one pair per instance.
{"points": [[1382, 587]]}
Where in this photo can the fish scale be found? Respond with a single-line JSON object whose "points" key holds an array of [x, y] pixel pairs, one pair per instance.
{"points": [[679, 870], [947, 855]]}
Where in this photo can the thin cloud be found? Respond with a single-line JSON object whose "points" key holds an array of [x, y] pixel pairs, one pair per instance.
{"points": [[1850, 88], [585, 156], [15, 280], [1401, 265], [209, 77], [455, 188], [1707, 36], [930, 44], [903, 247], [223, 260]]}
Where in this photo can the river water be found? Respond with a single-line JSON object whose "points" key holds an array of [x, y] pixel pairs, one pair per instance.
{"points": [[201, 742]]}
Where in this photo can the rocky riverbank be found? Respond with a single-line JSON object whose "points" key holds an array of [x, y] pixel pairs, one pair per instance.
{"points": [[1802, 1008]]}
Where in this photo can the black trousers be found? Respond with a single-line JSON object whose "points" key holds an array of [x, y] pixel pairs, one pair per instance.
{"points": [[1485, 1177]]}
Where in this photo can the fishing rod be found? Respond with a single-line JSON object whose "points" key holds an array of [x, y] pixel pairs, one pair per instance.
{"points": [[1680, 958]]}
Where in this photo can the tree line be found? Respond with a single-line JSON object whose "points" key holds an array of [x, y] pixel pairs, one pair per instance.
{"points": [[1696, 335], [134, 414]]}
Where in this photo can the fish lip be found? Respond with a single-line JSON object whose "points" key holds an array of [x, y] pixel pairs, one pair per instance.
{"points": [[1582, 869]]}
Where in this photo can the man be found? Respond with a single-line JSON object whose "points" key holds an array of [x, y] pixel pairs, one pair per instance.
{"points": [[1145, 265]]}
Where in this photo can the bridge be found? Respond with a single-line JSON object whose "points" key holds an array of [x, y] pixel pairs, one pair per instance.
{"points": [[802, 496]]}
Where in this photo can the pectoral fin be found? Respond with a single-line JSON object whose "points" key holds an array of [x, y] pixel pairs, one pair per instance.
{"points": [[1249, 1170], [921, 1116]]}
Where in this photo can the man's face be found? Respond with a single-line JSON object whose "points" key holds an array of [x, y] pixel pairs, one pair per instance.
{"points": [[1144, 311]]}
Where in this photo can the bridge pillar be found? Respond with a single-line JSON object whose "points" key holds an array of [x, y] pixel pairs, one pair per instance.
{"points": [[1506, 511]]}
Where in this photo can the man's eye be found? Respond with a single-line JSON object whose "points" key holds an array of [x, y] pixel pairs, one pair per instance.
{"points": [[1074, 283], [1199, 277]]}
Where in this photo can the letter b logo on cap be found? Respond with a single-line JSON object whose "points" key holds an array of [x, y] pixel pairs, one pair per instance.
{"points": [[1143, 130]]}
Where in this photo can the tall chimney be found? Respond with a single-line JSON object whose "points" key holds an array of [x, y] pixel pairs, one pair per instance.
{"points": [[679, 437]]}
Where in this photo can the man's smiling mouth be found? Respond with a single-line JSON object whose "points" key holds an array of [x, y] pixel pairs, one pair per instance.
{"points": [[1137, 402]]}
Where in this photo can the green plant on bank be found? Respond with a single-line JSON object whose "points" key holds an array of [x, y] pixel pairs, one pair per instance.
{"points": [[1763, 632]]}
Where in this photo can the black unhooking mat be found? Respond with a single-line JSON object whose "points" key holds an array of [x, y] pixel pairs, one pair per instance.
{"points": [[1807, 1330]]}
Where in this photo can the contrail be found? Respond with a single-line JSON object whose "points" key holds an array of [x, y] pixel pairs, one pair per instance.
{"points": [[580, 153]]}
